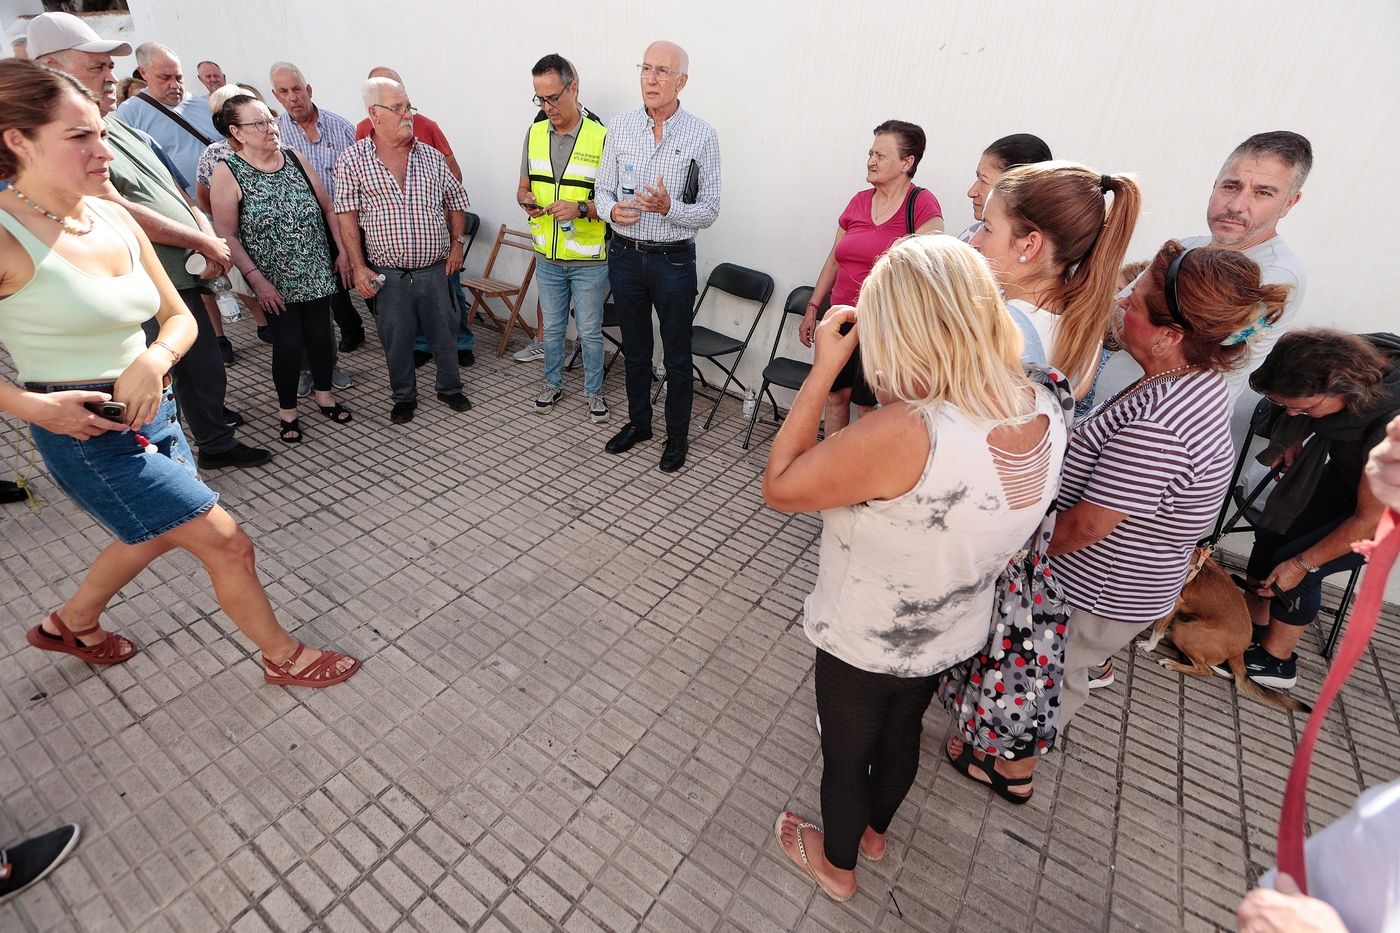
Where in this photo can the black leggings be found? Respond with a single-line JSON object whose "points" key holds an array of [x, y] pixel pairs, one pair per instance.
{"points": [[303, 328], [871, 724]]}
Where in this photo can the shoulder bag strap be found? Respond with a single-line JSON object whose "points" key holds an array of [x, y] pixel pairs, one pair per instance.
{"points": [[185, 124], [914, 192]]}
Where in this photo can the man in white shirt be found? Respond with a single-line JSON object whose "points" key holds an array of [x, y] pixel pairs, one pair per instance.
{"points": [[182, 124], [1256, 188]]}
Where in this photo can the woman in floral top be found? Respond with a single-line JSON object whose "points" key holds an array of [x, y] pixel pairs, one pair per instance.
{"points": [[275, 215]]}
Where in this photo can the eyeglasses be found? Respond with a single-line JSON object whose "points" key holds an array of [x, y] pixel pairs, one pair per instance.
{"points": [[659, 72], [262, 126], [552, 100], [401, 110], [1295, 410]]}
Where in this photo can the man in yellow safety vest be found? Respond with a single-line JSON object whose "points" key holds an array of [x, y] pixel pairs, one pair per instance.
{"points": [[558, 168]]}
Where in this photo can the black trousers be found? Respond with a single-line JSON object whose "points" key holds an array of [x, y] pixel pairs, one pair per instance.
{"points": [[666, 281], [199, 380], [871, 725], [303, 328], [346, 317]]}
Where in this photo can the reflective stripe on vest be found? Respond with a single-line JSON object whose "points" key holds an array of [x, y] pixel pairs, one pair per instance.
{"points": [[587, 239]]}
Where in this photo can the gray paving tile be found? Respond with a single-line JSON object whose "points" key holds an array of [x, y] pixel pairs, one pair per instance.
{"points": [[585, 696]]}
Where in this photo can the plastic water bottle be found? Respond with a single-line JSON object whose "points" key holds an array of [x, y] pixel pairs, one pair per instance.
{"points": [[566, 226], [750, 403], [229, 309], [379, 281], [629, 181], [660, 369]]}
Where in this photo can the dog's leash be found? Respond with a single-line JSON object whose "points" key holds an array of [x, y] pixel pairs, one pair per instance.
{"points": [[1380, 557]]}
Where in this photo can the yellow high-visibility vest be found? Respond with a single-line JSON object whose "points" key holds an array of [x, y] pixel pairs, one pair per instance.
{"points": [[588, 238]]}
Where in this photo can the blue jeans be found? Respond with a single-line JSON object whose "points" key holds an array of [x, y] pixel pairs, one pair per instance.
{"points": [[667, 282], [586, 287]]}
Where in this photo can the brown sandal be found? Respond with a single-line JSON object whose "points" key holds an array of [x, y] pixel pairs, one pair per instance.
{"points": [[319, 673], [108, 651]]}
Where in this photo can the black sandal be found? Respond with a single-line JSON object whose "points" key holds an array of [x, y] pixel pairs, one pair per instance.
{"points": [[291, 431], [999, 783], [337, 413]]}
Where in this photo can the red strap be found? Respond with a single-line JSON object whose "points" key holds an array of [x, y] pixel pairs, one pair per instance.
{"points": [[1380, 554]]}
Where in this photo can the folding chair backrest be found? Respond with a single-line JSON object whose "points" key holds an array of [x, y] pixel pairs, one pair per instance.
{"points": [[741, 282], [796, 304], [473, 225], [513, 238]]}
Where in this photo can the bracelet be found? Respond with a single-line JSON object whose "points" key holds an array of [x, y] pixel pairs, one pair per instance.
{"points": [[162, 343], [1309, 567]]}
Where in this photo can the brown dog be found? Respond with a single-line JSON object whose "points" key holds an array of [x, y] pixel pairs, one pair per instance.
{"points": [[1210, 625]]}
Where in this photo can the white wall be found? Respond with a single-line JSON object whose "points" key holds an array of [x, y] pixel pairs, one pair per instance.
{"points": [[1164, 90]]}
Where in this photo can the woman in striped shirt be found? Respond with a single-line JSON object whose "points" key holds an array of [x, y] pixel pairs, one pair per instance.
{"points": [[1147, 470]]}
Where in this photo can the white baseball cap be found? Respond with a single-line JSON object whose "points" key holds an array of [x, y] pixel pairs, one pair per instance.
{"points": [[58, 32]]}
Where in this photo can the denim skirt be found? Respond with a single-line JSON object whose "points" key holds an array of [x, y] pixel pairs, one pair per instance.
{"points": [[136, 495]]}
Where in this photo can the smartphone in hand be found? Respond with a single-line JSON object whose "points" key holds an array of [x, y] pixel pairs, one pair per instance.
{"points": [[112, 411]]}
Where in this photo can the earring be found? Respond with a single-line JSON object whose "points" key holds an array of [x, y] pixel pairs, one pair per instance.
{"points": [[1157, 349], [1023, 257]]}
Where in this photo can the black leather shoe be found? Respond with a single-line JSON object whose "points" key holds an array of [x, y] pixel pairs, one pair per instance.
{"points": [[239, 455], [226, 351], [349, 342], [626, 439], [466, 358], [457, 401], [420, 357], [402, 412], [233, 418], [11, 492], [673, 457]]}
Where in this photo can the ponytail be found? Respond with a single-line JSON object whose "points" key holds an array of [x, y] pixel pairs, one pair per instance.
{"points": [[1087, 297], [1087, 240]]}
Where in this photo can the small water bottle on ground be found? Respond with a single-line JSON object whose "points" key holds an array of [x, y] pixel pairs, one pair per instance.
{"points": [[629, 181], [229, 309], [750, 403], [660, 369]]}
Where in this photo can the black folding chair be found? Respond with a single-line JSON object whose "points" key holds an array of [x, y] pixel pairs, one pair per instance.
{"points": [[783, 371], [748, 284], [1239, 513]]}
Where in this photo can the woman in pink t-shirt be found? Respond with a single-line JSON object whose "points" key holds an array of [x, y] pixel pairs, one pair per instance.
{"points": [[873, 220]]}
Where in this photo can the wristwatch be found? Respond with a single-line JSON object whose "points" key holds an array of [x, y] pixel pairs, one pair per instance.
{"points": [[583, 208], [462, 238]]}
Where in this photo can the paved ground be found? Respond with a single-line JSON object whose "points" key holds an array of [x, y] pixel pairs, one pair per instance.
{"points": [[586, 694]]}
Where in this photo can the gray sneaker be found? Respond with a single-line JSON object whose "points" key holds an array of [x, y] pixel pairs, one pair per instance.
{"points": [[304, 385], [544, 402], [534, 350], [597, 409], [341, 379]]}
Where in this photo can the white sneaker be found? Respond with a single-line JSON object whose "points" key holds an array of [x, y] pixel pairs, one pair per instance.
{"points": [[597, 409], [544, 402], [534, 350]]}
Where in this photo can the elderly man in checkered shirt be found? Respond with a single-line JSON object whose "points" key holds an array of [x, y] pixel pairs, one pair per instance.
{"points": [[412, 225], [675, 160]]}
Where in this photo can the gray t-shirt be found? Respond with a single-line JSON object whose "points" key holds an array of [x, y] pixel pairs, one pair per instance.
{"points": [[561, 146]]}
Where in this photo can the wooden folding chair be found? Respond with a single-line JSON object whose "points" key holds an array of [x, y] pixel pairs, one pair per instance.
{"points": [[510, 294]]}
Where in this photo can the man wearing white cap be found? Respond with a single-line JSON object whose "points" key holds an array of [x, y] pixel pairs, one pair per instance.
{"points": [[141, 184]]}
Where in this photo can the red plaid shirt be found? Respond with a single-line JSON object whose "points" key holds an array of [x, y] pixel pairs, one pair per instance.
{"points": [[403, 229]]}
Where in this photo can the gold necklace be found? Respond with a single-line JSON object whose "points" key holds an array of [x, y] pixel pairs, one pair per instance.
{"points": [[1144, 383], [68, 225]]}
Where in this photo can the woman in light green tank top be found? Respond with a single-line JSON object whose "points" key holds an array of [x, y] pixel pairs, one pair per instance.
{"points": [[77, 279]]}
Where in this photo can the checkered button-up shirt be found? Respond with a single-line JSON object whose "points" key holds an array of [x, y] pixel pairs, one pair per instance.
{"points": [[631, 138], [403, 229], [336, 135]]}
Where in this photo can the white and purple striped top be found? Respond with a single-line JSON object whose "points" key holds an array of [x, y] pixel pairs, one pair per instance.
{"points": [[1162, 456]]}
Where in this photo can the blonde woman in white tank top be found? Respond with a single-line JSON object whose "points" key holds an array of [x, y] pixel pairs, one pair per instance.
{"points": [[922, 503]]}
